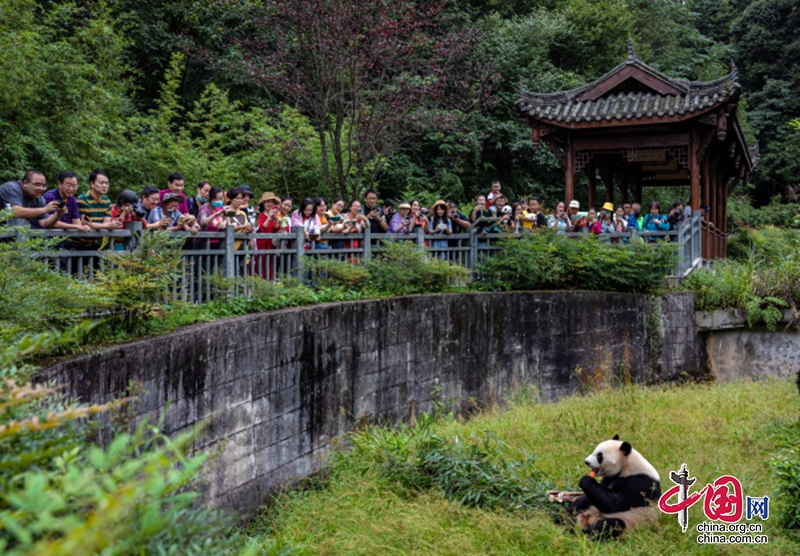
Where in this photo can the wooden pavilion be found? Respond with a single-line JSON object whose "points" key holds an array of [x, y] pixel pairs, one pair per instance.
{"points": [[637, 127]]}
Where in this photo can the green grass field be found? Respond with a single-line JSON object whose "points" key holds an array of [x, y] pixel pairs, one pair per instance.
{"points": [[716, 429]]}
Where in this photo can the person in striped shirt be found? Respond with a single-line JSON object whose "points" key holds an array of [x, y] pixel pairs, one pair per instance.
{"points": [[95, 209]]}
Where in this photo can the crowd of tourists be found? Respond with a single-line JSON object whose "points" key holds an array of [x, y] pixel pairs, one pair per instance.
{"points": [[213, 209]]}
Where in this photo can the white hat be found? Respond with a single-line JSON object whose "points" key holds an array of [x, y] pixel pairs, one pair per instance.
{"points": [[574, 204]]}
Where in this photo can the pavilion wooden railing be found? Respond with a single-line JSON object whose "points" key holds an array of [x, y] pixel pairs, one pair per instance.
{"points": [[715, 241], [208, 254]]}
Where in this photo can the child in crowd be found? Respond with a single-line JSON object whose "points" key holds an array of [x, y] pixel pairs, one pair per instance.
{"points": [[125, 210], [179, 222], [493, 194], [591, 223]]}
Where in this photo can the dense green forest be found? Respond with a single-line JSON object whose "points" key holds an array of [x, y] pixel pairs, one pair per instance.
{"points": [[330, 97]]}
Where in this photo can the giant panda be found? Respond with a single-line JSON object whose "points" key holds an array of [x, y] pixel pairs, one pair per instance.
{"points": [[626, 496]]}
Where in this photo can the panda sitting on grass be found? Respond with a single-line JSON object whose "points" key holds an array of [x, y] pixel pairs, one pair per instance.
{"points": [[626, 496]]}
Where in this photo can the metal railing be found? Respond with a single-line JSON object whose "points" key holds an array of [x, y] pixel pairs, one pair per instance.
{"points": [[272, 256]]}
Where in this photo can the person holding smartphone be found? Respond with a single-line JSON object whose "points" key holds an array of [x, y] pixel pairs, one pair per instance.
{"points": [[66, 204], [336, 217], [378, 222], [25, 200], [208, 214], [355, 222], [269, 222], [559, 221], [655, 221], [401, 222], [480, 211], [418, 215], [440, 225]]}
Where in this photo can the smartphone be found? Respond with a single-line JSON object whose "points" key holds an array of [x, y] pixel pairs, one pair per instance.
{"points": [[62, 204], [230, 213]]}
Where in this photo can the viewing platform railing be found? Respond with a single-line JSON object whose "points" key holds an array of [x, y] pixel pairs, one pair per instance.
{"points": [[208, 254]]}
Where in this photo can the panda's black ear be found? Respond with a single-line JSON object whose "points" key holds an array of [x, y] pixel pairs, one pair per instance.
{"points": [[616, 437], [626, 448]]}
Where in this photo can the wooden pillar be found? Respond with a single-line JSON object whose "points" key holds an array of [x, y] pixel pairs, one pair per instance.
{"points": [[608, 179], [637, 188], [694, 168], [591, 173], [569, 177], [624, 186], [724, 203], [712, 201], [721, 180], [712, 204], [706, 181]]}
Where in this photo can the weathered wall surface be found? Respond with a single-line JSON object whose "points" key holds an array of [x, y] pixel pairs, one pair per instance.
{"points": [[745, 353], [678, 351], [277, 387], [736, 351]]}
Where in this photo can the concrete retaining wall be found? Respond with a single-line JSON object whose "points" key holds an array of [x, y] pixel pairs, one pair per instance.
{"points": [[736, 351], [277, 387]]}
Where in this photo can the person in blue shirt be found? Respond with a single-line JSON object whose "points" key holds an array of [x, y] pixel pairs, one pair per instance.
{"points": [[655, 221], [632, 215]]}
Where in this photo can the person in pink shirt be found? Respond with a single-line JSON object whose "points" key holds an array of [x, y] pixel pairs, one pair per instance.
{"points": [[175, 184]]}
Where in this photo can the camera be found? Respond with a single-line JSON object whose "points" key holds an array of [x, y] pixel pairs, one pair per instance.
{"points": [[139, 212]]}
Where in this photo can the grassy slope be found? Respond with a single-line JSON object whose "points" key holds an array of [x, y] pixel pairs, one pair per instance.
{"points": [[716, 429]]}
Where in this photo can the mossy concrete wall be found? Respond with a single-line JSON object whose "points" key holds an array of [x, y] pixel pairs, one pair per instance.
{"points": [[736, 351], [277, 387]]}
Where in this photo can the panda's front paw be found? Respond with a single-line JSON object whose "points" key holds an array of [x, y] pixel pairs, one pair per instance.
{"points": [[587, 480]]}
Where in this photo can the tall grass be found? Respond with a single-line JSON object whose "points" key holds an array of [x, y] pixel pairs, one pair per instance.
{"points": [[715, 429]]}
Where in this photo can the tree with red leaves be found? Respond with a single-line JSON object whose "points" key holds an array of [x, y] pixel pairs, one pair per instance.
{"points": [[370, 74]]}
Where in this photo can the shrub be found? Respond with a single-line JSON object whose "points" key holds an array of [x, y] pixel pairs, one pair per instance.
{"points": [[762, 276], [398, 268], [405, 268], [545, 261], [36, 297], [777, 213], [138, 283], [768, 243], [728, 284]]}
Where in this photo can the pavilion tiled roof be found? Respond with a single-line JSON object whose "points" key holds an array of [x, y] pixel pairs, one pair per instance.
{"points": [[679, 97]]}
